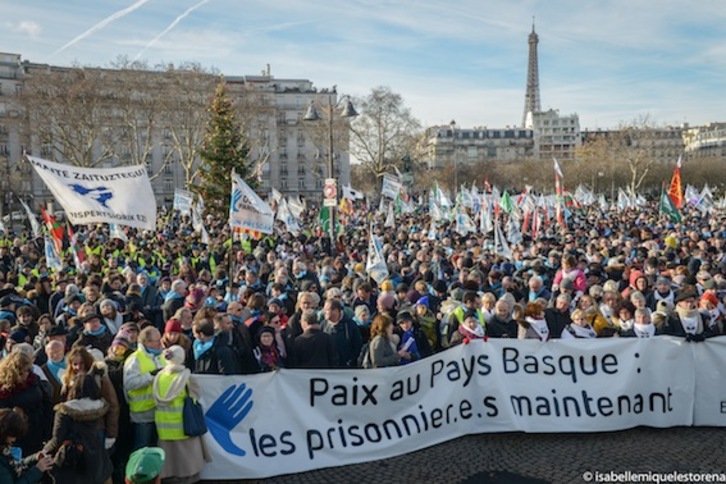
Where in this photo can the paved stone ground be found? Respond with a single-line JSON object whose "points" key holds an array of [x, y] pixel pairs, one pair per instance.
{"points": [[519, 458]]}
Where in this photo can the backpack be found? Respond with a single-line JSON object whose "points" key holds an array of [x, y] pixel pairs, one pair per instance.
{"points": [[70, 455], [364, 357]]}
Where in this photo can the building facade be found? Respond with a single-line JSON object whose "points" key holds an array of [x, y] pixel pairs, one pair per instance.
{"points": [[447, 144], [555, 136], [286, 153], [707, 141]]}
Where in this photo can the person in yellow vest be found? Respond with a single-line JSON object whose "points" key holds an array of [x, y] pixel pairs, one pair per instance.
{"points": [[186, 456], [140, 369]]}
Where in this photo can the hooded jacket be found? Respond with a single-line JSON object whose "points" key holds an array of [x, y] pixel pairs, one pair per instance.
{"points": [[77, 420]]}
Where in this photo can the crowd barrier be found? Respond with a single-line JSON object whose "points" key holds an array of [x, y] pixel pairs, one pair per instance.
{"points": [[297, 420]]}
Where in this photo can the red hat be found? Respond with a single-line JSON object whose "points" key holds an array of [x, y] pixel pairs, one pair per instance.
{"points": [[173, 326], [710, 297]]}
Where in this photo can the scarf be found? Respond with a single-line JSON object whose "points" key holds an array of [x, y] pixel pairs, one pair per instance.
{"points": [[55, 368], [269, 356], [690, 320], [540, 327], [98, 332], [669, 296], [644, 330], [177, 386], [477, 332], [172, 295], [714, 314], [16, 464], [201, 348], [582, 332], [626, 324], [153, 352]]}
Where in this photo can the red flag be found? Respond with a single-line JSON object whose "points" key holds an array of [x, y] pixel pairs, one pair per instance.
{"points": [[54, 228], [79, 253], [675, 191]]}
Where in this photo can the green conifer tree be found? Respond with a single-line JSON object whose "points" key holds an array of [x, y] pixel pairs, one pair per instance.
{"points": [[223, 150]]}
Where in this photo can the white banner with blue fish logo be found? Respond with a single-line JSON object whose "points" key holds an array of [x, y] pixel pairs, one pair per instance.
{"points": [[121, 195]]}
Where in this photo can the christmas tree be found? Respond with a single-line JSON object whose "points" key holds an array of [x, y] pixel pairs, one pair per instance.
{"points": [[224, 149]]}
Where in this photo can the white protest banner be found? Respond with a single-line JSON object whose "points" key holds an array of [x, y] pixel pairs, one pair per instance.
{"points": [[390, 187], [183, 200], [121, 195], [325, 418], [710, 358], [247, 210]]}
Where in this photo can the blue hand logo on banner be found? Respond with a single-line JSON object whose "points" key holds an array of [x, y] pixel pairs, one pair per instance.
{"points": [[99, 194], [226, 413]]}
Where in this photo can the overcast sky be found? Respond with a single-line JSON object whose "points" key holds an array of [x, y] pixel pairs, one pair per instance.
{"points": [[610, 61]]}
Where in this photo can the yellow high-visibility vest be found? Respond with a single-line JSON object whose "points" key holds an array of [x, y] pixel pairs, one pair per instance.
{"points": [[169, 418], [142, 399]]}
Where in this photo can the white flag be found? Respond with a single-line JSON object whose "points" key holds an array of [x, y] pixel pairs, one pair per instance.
{"points": [[390, 218], [375, 265], [115, 232], [285, 216], [34, 225], [183, 200], [464, 224], [501, 246], [351, 194], [51, 256], [276, 195], [120, 195], [296, 207], [558, 170], [247, 210]]}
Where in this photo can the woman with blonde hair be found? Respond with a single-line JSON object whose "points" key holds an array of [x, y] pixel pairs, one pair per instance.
{"points": [[20, 387], [185, 456]]}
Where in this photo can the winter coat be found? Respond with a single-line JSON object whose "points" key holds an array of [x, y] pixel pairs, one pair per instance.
{"points": [[36, 403], [78, 420], [348, 341], [101, 342], [382, 353], [218, 360], [313, 349], [7, 473]]}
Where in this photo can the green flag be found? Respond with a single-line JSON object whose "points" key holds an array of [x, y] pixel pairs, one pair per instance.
{"points": [[325, 219], [506, 202], [667, 208]]}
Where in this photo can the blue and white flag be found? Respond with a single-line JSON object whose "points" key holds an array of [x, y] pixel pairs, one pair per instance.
{"points": [[464, 224], [285, 216], [183, 200], [52, 259], [121, 195], [247, 210]]}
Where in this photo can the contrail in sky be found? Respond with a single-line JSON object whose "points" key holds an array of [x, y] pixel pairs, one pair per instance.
{"points": [[100, 25], [171, 26]]}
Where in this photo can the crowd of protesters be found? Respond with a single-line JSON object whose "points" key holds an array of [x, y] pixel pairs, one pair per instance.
{"points": [[105, 352]]}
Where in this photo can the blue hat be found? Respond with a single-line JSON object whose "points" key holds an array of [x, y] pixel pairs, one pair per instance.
{"points": [[424, 300]]}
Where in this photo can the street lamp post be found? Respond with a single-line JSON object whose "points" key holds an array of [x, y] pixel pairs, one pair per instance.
{"points": [[313, 114], [453, 154]]}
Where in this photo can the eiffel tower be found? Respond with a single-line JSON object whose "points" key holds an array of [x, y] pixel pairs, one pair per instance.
{"points": [[531, 98]]}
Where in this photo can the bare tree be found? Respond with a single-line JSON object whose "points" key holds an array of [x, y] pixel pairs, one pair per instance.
{"points": [[384, 133], [71, 111], [186, 99]]}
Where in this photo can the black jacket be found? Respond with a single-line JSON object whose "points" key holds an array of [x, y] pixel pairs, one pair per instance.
{"points": [[313, 349], [218, 360], [348, 341]]}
